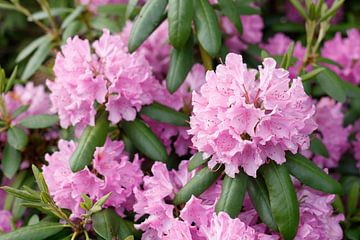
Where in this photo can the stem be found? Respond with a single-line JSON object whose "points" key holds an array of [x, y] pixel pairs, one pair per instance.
{"points": [[45, 7], [74, 235]]}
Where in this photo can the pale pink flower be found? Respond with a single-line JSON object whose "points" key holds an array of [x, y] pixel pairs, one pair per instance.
{"points": [[346, 52], [5, 221], [112, 172], [241, 121]]}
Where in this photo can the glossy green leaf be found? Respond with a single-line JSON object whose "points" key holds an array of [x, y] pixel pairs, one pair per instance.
{"points": [[312, 74], [207, 27], [165, 114], [38, 231], [10, 161], [197, 185], [92, 137], [106, 223], [32, 46], [39, 121], [37, 59], [229, 9], [309, 174], [130, 8], [318, 147], [71, 17], [260, 199], [196, 161], [352, 91], [232, 194], [332, 85], [145, 140], [54, 12], [180, 64], [180, 15], [148, 19], [353, 199], [283, 201], [338, 205], [22, 194], [328, 61], [17, 138]]}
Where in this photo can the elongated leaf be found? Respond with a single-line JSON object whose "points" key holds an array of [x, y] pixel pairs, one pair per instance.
{"points": [[165, 114], [37, 59], [312, 74], [145, 140], [328, 61], [232, 194], [353, 199], [130, 8], [180, 65], [106, 223], [38, 231], [71, 30], [20, 110], [17, 138], [196, 161], [32, 46], [39, 121], [149, 18], [180, 16], [207, 27], [310, 174], [332, 85], [22, 194], [283, 201], [10, 161], [317, 147], [69, 19], [260, 199], [229, 9], [91, 138], [352, 90], [197, 185], [300, 8], [11, 80], [44, 15], [18, 181]]}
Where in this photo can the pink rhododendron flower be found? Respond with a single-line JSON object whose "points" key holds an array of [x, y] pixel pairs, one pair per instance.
{"points": [[155, 48], [346, 52], [252, 32], [94, 4], [294, 16], [356, 146], [242, 121], [5, 221], [279, 44], [110, 76], [329, 118], [112, 172]]}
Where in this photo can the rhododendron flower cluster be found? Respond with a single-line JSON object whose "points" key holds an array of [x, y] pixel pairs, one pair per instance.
{"points": [[112, 172], [241, 121], [346, 52], [110, 76]]}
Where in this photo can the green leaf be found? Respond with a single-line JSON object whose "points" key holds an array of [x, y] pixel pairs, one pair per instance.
{"points": [[11, 80], [180, 14], [332, 11], [106, 223], [92, 137], [101, 22], [338, 205], [6, 6], [207, 27], [17, 182], [99, 204], [71, 30], [112, 9], [352, 91], [353, 199], [260, 199], [32, 46], [130, 8], [196, 161], [149, 18], [229, 9], [283, 201], [34, 219], [329, 61], [38, 231], [332, 85], [180, 64], [39, 121], [17, 138], [145, 140], [300, 8], [19, 111], [197, 185], [10, 161], [165, 114], [44, 15], [22, 194], [310, 174], [312, 74], [317, 147], [37, 59], [69, 19], [232, 194]]}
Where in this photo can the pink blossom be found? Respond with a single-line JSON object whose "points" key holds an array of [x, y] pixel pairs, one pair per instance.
{"points": [[94, 4], [5, 221], [346, 52], [356, 146], [112, 172], [329, 117], [279, 44], [252, 32], [110, 76], [241, 121]]}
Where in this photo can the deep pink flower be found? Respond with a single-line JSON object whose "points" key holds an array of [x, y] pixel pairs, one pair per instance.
{"points": [[112, 172], [346, 52], [241, 121], [356, 147], [5, 221]]}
